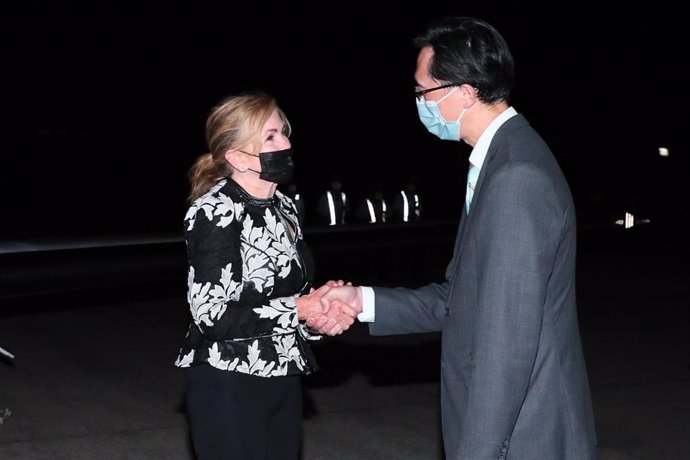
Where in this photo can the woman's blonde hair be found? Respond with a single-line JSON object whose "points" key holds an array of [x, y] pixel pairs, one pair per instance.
{"points": [[234, 123]]}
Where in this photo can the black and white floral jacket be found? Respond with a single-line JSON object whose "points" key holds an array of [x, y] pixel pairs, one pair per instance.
{"points": [[245, 271]]}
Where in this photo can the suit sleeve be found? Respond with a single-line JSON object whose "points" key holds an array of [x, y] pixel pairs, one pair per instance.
{"points": [[521, 224], [406, 311]]}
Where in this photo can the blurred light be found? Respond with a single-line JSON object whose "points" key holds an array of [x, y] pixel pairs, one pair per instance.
{"points": [[6, 353], [629, 221], [663, 152]]}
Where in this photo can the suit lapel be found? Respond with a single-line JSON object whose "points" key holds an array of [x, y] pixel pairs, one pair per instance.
{"points": [[490, 161]]}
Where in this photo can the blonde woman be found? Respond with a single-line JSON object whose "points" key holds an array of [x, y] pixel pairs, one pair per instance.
{"points": [[249, 289]]}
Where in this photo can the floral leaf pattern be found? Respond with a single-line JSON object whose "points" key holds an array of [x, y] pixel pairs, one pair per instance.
{"points": [[207, 302], [255, 365], [288, 352], [284, 310], [206, 203], [256, 262], [227, 210], [215, 359], [185, 360], [244, 274]]}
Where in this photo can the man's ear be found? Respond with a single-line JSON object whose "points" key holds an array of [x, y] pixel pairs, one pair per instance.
{"points": [[469, 95]]}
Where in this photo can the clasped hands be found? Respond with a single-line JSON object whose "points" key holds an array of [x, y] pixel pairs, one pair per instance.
{"points": [[330, 309]]}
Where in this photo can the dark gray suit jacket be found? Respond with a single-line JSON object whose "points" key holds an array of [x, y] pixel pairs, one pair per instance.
{"points": [[513, 377]]}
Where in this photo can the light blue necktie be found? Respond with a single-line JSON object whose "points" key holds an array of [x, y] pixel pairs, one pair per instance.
{"points": [[472, 175]]}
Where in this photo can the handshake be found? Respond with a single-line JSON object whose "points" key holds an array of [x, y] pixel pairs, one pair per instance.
{"points": [[330, 309]]}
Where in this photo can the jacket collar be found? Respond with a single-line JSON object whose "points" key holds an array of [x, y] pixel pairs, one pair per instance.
{"points": [[234, 190]]}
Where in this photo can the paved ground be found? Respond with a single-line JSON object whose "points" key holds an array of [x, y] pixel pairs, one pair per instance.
{"points": [[94, 379]]}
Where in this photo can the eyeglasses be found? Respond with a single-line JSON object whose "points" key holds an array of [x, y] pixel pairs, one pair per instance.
{"points": [[418, 93]]}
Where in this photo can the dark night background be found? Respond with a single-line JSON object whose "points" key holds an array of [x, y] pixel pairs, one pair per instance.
{"points": [[104, 110], [107, 105]]}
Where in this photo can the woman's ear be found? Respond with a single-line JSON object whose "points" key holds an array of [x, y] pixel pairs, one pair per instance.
{"points": [[236, 159]]}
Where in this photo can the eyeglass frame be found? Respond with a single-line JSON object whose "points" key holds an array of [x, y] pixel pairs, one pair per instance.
{"points": [[418, 93]]}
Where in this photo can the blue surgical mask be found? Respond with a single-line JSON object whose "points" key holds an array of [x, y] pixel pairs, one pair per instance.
{"points": [[431, 117]]}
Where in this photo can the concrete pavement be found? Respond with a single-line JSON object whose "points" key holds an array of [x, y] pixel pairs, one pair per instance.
{"points": [[94, 378]]}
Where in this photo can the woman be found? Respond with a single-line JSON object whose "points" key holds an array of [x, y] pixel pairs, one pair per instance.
{"points": [[248, 289]]}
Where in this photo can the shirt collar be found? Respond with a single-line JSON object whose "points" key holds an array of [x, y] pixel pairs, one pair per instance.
{"points": [[482, 147]]}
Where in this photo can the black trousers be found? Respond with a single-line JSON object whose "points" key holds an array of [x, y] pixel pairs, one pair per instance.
{"points": [[243, 417]]}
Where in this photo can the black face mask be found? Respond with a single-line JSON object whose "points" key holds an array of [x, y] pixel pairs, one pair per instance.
{"points": [[276, 166]]}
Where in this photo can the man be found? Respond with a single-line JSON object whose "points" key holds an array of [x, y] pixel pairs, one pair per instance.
{"points": [[513, 378], [298, 199], [406, 204], [373, 209], [332, 206]]}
